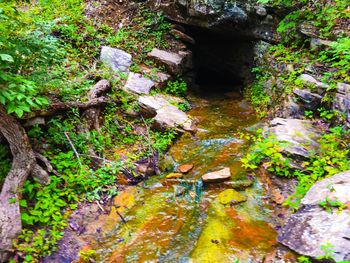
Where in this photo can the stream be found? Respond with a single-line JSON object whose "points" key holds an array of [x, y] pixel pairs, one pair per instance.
{"points": [[176, 221]]}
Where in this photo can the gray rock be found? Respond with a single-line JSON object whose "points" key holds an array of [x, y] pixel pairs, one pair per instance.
{"points": [[151, 104], [291, 109], [308, 29], [217, 176], [300, 136], [316, 43], [166, 115], [261, 11], [35, 121], [312, 81], [312, 226], [335, 187], [116, 59], [160, 78], [342, 100], [136, 83], [171, 117], [182, 36], [175, 62], [234, 19], [310, 100]]}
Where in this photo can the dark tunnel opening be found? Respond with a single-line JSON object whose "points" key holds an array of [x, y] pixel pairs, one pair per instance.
{"points": [[221, 63]]}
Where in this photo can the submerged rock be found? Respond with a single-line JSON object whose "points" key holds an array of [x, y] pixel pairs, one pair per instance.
{"points": [[217, 176], [240, 184], [166, 163], [312, 226], [116, 59], [138, 84], [185, 168], [174, 175], [230, 196], [300, 136]]}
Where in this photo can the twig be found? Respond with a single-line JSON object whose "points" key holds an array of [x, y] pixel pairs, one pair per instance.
{"points": [[100, 206], [74, 149], [121, 217]]}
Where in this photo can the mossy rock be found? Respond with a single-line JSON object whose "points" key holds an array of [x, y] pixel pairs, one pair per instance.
{"points": [[166, 163], [231, 196]]}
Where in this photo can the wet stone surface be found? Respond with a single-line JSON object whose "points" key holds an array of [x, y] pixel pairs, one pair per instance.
{"points": [[176, 217]]}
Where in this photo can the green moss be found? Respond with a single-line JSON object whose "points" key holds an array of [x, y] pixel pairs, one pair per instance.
{"points": [[231, 196]]}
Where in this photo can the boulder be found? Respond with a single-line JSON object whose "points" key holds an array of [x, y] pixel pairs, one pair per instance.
{"points": [[310, 100], [166, 116], [308, 29], [291, 109], [217, 176], [317, 43], [300, 136], [171, 117], [245, 19], [310, 80], [342, 100], [151, 104], [312, 226], [138, 84], [230, 196], [175, 62], [166, 163], [116, 59]]}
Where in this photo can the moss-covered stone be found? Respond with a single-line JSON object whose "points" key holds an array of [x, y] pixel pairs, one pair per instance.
{"points": [[231, 196]]}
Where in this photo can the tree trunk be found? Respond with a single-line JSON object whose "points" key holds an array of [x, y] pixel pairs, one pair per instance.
{"points": [[23, 164]]}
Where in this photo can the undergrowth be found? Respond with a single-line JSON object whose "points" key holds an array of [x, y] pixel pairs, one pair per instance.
{"points": [[52, 47], [331, 158]]}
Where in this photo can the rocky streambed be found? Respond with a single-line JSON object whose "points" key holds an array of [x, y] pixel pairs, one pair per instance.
{"points": [[178, 217]]}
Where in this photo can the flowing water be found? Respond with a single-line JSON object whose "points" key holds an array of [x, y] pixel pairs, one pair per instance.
{"points": [[185, 221]]}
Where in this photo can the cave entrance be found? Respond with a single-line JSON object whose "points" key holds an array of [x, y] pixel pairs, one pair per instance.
{"points": [[221, 62]]}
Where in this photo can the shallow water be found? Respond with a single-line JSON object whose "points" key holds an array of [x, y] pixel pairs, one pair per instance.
{"points": [[185, 221]]}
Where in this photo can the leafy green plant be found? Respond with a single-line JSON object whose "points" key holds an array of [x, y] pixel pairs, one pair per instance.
{"points": [[328, 204], [177, 88], [328, 250], [87, 255]]}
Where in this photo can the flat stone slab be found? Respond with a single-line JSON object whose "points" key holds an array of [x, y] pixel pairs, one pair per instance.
{"points": [[175, 62], [166, 115], [171, 117], [116, 59], [217, 176], [312, 226], [138, 84], [185, 168], [300, 136]]}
